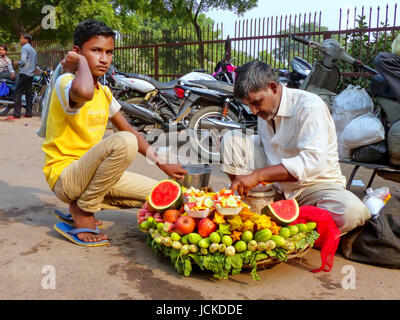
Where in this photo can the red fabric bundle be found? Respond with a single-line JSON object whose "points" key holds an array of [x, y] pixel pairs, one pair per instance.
{"points": [[329, 237]]}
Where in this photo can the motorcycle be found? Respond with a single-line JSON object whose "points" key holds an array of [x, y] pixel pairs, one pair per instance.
{"points": [[148, 104], [324, 78], [215, 110], [39, 85], [295, 77]]}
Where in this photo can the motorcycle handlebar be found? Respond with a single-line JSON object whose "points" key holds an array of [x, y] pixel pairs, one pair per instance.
{"points": [[361, 65], [300, 39]]}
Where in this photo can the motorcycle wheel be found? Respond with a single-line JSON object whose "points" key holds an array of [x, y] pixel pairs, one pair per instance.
{"points": [[4, 109], [206, 143]]}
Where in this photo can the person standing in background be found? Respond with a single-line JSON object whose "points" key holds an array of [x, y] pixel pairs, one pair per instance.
{"points": [[27, 66]]}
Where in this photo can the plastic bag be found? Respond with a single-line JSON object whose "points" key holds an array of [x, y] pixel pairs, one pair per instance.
{"points": [[376, 199], [4, 89], [361, 131], [348, 105], [372, 153]]}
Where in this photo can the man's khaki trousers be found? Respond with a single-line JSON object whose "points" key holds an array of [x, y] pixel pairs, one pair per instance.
{"points": [[98, 180], [243, 154]]}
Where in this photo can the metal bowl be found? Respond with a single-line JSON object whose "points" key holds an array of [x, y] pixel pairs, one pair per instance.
{"points": [[198, 176]]}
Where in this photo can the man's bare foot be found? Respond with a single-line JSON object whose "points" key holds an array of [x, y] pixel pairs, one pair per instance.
{"points": [[83, 219]]}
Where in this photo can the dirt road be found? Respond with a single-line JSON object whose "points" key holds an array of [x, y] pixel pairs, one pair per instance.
{"points": [[30, 249]]}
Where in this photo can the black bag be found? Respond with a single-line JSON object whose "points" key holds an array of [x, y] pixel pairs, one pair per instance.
{"points": [[372, 153], [377, 242]]}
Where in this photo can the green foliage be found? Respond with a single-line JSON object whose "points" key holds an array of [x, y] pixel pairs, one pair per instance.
{"points": [[364, 47], [288, 49]]}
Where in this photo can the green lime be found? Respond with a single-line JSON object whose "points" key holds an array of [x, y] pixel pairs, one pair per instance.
{"points": [[279, 241], [150, 220], [215, 237], [204, 243], [247, 236], [160, 226], [145, 225], [311, 225], [227, 240], [185, 239], [302, 227], [284, 232], [175, 236], [293, 230], [240, 246]]}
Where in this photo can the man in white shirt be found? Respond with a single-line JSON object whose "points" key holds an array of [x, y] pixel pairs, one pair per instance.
{"points": [[296, 147]]}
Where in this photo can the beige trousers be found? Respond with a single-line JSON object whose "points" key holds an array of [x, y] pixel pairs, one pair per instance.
{"points": [[98, 180], [243, 154]]}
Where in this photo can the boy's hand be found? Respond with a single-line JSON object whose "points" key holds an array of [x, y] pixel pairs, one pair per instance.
{"points": [[71, 62], [173, 170]]}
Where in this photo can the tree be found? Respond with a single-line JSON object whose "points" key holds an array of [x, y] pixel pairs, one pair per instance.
{"points": [[190, 10], [26, 16]]}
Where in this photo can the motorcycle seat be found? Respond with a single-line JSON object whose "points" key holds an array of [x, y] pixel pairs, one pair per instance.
{"points": [[380, 87], [158, 84], [216, 85], [6, 80]]}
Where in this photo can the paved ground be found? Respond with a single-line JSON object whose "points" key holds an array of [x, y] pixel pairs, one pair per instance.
{"points": [[128, 269]]}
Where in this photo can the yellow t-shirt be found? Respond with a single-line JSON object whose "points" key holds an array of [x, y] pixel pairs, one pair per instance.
{"points": [[70, 133]]}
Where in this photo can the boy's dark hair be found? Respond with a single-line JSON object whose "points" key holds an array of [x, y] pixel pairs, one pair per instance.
{"points": [[3, 46], [252, 77], [88, 29], [27, 36]]}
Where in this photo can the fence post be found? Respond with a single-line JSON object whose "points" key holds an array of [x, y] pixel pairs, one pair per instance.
{"points": [[326, 35], [156, 62]]}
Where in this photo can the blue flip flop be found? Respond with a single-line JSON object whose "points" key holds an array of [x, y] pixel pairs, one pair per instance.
{"points": [[71, 234], [67, 218]]}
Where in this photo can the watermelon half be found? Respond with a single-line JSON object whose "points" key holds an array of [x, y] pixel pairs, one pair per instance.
{"points": [[282, 212], [166, 194]]}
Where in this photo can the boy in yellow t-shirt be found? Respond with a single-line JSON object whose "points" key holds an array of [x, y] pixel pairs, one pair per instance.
{"points": [[81, 167]]}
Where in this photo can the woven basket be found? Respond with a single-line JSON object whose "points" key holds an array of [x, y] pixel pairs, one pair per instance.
{"points": [[262, 264]]}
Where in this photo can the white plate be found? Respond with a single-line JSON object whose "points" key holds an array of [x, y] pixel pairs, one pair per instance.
{"points": [[228, 211], [198, 214]]}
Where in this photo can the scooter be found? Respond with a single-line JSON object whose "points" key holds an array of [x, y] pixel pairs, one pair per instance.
{"points": [[39, 85], [324, 78], [294, 78]]}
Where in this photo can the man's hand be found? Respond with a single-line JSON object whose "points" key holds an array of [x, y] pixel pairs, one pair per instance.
{"points": [[173, 170], [71, 61], [243, 184]]}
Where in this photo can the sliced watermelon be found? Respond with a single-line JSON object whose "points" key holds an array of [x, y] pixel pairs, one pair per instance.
{"points": [[282, 212], [167, 194]]}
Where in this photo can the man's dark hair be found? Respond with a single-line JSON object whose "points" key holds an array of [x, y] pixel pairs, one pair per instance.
{"points": [[88, 29], [3, 46], [252, 77], [27, 36]]}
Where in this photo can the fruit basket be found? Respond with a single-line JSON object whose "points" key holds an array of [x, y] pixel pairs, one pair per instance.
{"points": [[221, 244]]}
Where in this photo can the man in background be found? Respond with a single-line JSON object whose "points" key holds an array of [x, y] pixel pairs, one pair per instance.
{"points": [[27, 66]]}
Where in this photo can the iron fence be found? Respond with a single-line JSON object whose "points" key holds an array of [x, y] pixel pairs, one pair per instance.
{"points": [[364, 32]]}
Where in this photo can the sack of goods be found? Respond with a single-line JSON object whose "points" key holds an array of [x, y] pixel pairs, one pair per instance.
{"points": [[349, 104], [361, 131], [394, 143]]}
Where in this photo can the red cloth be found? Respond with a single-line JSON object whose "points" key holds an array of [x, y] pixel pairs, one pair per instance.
{"points": [[329, 237]]}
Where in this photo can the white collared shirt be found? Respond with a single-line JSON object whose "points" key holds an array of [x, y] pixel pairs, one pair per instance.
{"points": [[305, 141]]}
